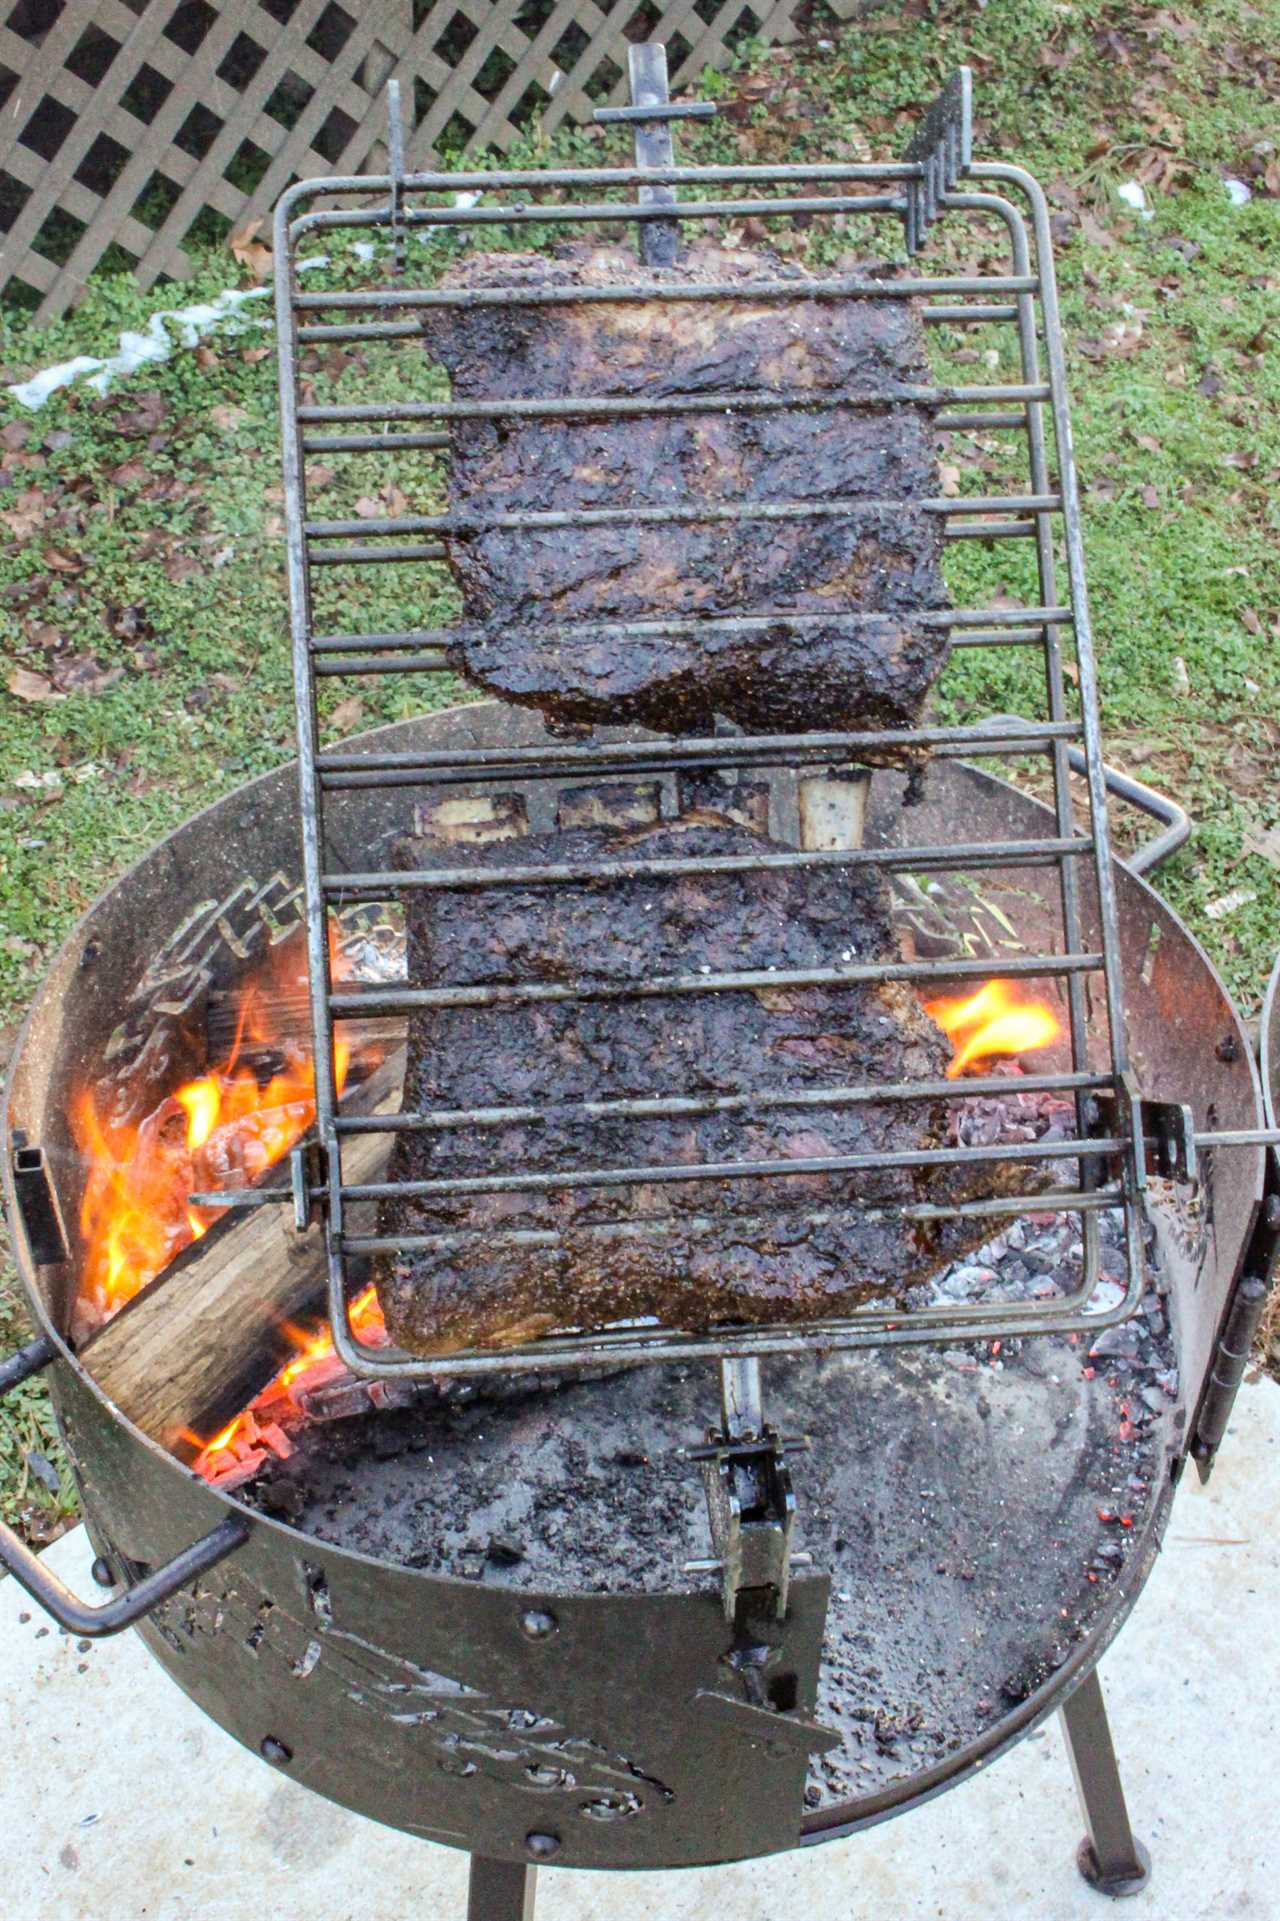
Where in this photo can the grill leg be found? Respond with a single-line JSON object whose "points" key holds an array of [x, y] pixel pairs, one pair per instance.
{"points": [[1109, 1858], [500, 1890]]}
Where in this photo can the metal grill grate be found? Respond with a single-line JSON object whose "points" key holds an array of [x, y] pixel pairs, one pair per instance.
{"points": [[1032, 408]]}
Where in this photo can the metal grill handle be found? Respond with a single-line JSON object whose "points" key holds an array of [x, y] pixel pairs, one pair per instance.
{"points": [[136, 1602]]}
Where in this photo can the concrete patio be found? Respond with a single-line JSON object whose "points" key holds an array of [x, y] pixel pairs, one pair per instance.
{"points": [[120, 1801]]}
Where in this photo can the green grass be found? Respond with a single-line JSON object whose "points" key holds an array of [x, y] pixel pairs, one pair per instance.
{"points": [[140, 532]]}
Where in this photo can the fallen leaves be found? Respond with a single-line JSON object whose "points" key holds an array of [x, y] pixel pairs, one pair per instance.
{"points": [[1265, 842], [390, 501], [24, 684], [250, 252], [82, 674], [143, 418], [130, 473]]}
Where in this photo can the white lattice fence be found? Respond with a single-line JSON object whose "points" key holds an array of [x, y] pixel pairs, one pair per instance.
{"points": [[124, 124]]}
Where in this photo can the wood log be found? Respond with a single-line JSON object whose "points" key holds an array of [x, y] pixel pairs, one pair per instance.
{"points": [[195, 1346], [191, 1350]]}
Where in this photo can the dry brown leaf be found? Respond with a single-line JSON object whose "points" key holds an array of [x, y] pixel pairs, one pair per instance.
{"points": [[346, 714], [82, 674], [24, 685], [1249, 617], [226, 417], [1150, 497], [950, 478], [369, 509], [1265, 842], [22, 522], [249, 251], [61, 561]]}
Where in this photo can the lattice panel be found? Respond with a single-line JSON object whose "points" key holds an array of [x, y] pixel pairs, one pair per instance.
{"points": [[124, 123]]}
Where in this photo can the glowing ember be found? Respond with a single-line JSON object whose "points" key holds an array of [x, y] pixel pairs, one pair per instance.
{"points": [[241, 1447], [993, 1021]]}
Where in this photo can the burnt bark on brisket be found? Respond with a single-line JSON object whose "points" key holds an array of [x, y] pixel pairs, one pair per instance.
{"points": [[695, 1254], [524, 589]]}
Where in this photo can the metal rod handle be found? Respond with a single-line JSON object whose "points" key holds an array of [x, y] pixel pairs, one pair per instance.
{"points": [[53, 1595], [1175, 818]]}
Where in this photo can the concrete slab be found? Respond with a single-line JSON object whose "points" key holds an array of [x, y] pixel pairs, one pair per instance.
{"points": [[120, 1801]]}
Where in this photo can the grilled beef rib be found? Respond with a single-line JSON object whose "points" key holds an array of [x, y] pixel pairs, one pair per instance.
{"points": [[695, 1254], [795, 648]]}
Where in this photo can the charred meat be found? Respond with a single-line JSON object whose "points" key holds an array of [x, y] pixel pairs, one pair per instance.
{"points": [[805, 613], [498, 1267]]}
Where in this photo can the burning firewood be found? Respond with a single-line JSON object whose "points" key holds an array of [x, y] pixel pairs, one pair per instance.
{"points": [[194, 1347], [695, 507]]}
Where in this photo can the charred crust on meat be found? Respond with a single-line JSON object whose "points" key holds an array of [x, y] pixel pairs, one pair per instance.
{"points": [[700, 1269], [525, 589]]}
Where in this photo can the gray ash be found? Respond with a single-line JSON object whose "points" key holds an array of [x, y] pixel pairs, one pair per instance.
{"points": [[984, 1497]]}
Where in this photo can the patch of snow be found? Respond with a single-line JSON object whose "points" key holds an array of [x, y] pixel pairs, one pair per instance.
{"points": [[1237, 192], [136, 349], [310, 265], [467, 199], [34, 392], [1134, 195], [363, 249]]}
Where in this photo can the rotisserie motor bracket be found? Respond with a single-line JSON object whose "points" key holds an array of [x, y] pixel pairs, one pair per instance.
{"points": [[696, 494]]}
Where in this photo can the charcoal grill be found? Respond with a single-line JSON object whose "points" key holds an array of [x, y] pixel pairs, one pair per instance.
{"points": [[602, 1711]]}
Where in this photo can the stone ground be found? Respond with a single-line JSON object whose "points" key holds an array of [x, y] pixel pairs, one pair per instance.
{"points": [[120, 1801]]}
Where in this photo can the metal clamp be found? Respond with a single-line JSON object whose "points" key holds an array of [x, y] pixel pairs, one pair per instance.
{"points": [[135, 1603], [1169, 1138], [943, 143], [751, 1504], [752, 1508]]}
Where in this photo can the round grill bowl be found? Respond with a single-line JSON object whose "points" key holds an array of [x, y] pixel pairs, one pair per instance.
{"points": [[362, 1677]]}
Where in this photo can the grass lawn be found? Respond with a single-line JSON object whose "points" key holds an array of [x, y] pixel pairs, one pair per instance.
{"points": [[141, 568]]}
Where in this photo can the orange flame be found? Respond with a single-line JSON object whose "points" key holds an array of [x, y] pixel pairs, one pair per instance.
{"points": [[224, 1129], [992, 1021]]}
